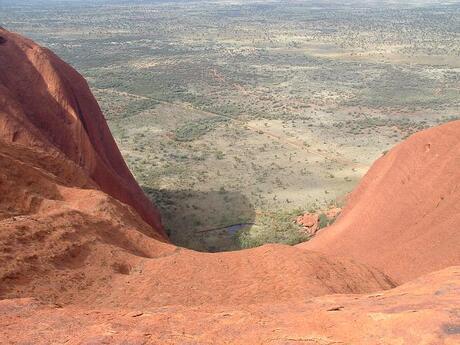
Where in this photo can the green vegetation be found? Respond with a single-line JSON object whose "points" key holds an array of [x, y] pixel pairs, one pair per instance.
{"points": [[137, 106], [323, 221], [278, 227], [193, 130]]}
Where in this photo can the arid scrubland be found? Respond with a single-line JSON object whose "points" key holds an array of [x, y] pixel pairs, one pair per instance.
{"points": [[250, 113]]}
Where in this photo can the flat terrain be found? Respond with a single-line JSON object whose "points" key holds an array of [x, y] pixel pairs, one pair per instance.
{"points": [[253, 112]]}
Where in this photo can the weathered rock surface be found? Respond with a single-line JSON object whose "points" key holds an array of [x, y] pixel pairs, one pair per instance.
{"points": [[404, 216], [422, 312], [84, 260], [68, 235], [310, 221], [47, 107]]}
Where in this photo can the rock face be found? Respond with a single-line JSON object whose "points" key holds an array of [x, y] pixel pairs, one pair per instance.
{"points": [[311, 222], [404, 216], [423, 312], [76, 228], [47, 107], [84, 259]]}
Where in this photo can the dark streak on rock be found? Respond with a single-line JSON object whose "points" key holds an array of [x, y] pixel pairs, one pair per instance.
{"points": [[451, 328]]}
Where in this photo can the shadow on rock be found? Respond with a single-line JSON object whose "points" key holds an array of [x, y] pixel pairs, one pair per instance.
{"points": [[203, 220]]}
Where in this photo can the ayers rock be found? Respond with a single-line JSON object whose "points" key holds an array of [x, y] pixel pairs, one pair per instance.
{"points": [[84, 258], [49, 112], [404, 217]]}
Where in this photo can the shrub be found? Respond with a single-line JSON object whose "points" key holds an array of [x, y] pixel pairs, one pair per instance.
{"points": [[278, 227], [195, 129], [323, 221]]}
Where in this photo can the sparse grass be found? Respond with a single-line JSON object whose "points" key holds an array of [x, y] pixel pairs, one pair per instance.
{"points": [[195, 129], [277, 227]]}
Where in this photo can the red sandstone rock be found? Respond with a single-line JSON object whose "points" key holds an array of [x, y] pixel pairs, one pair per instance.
{"points": [[69, 237], [47, 107], [404, 216], [81, 266], [423, 312], [310, 221]]}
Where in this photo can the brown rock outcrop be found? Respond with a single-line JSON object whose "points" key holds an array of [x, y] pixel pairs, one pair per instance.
{"points": [[311, 221]]}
